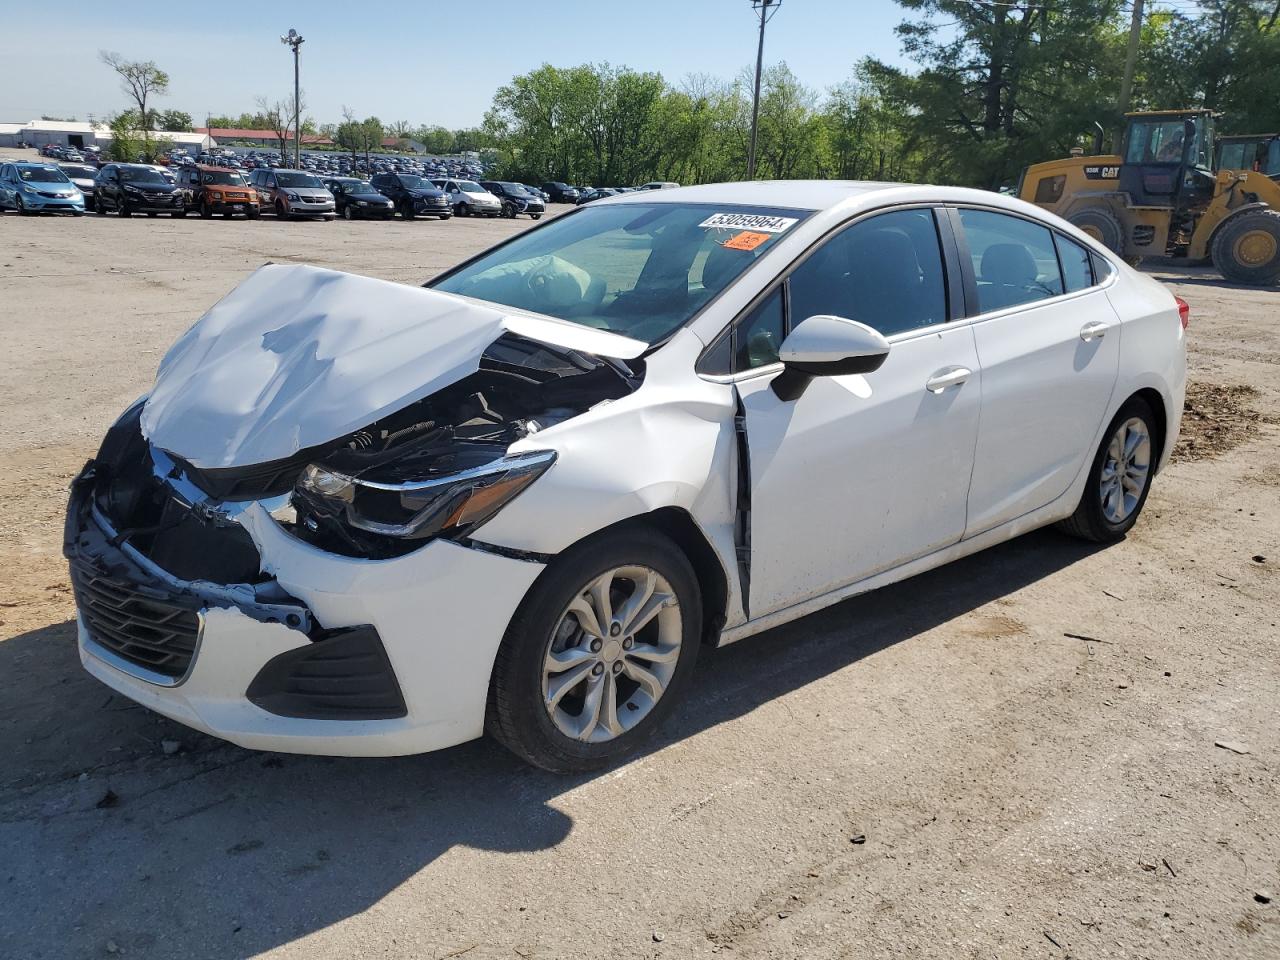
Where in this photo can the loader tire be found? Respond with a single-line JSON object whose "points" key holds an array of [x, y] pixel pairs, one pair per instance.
{"points": [[1102, 226], [1246, 248]]}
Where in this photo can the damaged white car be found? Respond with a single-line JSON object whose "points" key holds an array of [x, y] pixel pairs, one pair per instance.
{"points": [[359, 518]]}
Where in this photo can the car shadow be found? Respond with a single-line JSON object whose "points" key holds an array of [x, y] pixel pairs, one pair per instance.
{"points": [[215, 851]]}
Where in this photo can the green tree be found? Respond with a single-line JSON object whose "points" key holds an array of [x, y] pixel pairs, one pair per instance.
{"points": [[126, 146], [141, 80], [174, 121], [1002, 85]]}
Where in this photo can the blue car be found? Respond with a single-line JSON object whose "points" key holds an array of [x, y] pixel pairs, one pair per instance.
{"points": [[38, 188]]}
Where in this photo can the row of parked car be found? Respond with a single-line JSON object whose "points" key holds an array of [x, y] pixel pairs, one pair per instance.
{"points": [[129, 188]]}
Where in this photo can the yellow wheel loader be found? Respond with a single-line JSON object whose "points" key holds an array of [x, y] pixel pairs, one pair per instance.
{"points": [[1166, 196]]}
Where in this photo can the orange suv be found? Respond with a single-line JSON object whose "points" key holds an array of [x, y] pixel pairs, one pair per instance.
{"points": [[218, 190]]}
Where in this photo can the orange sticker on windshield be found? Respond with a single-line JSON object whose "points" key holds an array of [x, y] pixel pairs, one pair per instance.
{"points": [[747, 240]]}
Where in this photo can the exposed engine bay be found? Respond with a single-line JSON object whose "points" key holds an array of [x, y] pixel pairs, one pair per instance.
{"points": [[437, 468]]}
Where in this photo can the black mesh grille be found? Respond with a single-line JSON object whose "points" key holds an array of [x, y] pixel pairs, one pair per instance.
{"points": [[151, 633]]}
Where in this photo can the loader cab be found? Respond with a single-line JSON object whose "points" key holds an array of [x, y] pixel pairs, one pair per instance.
{"points": [[1168, 158], [1252, 153]]}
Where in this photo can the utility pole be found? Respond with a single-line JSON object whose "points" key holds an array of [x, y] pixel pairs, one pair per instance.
{"points": [[1130, 63], [764, 9], [294, 39]]}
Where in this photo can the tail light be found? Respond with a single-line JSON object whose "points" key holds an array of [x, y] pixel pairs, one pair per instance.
{"points": [[1184, 312]]}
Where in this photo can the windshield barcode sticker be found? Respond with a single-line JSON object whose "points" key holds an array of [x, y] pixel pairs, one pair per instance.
{"points": [[748, 221]]}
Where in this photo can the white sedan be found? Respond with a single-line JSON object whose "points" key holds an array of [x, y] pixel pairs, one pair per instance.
{"points": [[360, 518]]}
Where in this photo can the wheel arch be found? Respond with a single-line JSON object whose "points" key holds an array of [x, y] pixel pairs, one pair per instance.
{"points": [[1155, 401], [679, 526]]}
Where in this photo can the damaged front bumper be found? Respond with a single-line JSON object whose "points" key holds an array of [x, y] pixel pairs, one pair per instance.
{"points": [[326, 654]]}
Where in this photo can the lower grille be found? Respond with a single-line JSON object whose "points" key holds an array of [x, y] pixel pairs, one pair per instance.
{"points": [[150, 633], [344, 676]]}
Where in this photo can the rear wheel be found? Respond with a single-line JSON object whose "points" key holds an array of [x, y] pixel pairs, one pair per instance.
{"points": [[1120, 477], [1102, 226], [1247, 248], [600, 651]]}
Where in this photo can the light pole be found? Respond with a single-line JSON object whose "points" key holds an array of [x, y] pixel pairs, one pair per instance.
{"points": [[294, 39], [764, 9]]}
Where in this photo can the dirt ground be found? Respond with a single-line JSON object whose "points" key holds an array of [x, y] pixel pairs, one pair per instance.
{"points": [[1013, 756]]}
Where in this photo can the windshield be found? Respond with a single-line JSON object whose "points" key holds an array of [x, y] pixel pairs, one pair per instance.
{"points": [[416, 183], [83, 173], [470, 186], [513, 188], [1161, 141], [141, 175], [42, 175], [297, 180], [639, 269], [227, 178]]}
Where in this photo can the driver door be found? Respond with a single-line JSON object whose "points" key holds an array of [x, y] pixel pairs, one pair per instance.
{"points": [[863, 473]]}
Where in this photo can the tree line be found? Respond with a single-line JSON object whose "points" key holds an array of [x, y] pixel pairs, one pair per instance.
{"points": [[991, 87]]}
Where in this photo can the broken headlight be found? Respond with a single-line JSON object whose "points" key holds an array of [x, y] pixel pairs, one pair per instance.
{"points": [[450, 506]]}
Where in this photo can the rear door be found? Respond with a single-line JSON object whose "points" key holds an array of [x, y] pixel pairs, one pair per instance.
{"points": [[1048, 341]]}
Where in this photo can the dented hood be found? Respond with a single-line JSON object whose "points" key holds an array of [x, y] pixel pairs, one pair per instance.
{"points": [[296, 356]]}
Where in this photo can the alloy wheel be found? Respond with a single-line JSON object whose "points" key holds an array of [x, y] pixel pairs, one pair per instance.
{"points": [[1126, 470], [612, 654]]}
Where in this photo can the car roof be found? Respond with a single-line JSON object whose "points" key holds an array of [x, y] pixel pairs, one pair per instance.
{"points": [[35, 163], [821, 195], [214, 166]]}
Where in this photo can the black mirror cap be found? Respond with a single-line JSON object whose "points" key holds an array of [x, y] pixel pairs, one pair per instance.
{"points": [[794, 379]]}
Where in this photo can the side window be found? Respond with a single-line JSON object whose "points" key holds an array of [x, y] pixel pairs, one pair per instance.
{"points": [[1014, 261], [885, 271], [1102, 269], [751, 342], [1076, 272]]}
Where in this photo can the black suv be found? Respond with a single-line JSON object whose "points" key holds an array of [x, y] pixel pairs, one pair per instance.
{"points": [[558, 192], [129, 188], [515, 199], [413, 196], [356, 199]]}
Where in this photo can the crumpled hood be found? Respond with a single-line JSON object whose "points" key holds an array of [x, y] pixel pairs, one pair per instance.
{"points": [[296, 356]]}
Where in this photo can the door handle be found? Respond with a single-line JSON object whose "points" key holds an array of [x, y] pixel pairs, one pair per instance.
{"points": [[947, 377], [1095, 329]]}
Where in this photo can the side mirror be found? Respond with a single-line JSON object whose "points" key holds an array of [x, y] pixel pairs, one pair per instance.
{"points": [[826, 346]]}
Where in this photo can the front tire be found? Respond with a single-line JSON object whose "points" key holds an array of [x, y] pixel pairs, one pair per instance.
{"points": [[1120, 477], [1247, 248], [348, 213], [1101, 225], [599, 653]]}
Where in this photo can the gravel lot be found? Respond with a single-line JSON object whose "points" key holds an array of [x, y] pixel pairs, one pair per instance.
{"points": [[947, 768]]}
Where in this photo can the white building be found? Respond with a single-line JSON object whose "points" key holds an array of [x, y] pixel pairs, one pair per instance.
{"points": [[74, 133]]}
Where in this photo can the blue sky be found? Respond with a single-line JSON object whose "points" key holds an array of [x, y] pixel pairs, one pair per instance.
{"points": [[436, 63]]}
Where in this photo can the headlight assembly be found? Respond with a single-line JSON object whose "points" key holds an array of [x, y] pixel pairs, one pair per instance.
{"points": [[451, 506]]}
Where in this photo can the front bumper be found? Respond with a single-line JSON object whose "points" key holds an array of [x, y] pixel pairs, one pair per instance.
{"points": [[440, 613], [298, 208], [38, 202], [233, 205]]}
